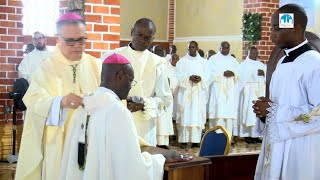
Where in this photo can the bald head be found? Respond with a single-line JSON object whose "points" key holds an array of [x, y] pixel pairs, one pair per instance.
{"points": [[300, 15], [118, 78], [147, 23], [142, 34]]}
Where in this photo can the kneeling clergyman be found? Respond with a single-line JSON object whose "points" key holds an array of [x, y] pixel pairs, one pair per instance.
{"points": [[102, 141]]}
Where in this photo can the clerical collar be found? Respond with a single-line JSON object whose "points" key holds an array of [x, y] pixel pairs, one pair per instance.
{"points": [[287, 51], [293, 53]]}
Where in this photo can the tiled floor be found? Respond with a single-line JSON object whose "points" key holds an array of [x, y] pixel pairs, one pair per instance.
{"points": [[7, 170]]}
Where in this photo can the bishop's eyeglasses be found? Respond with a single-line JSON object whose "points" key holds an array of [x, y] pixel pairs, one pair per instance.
{"points": [[133, 82], [72, 42]]}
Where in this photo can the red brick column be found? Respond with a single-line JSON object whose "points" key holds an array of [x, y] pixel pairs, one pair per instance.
{"points": [[266, 8], [171, 21]]}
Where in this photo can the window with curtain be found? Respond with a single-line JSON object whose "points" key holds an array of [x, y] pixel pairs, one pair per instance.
{"points": [[40, 15]]}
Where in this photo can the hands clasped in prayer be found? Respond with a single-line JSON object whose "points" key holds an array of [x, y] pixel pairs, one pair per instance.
{"points": [[260, 107], [71, 101], [135, 104], [195, 78], [260, 72], [228, 74]]}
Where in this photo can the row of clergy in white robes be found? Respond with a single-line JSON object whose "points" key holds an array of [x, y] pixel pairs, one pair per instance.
{"points": [[288, 143], [154, 124], [225, 101], [216, 97]]}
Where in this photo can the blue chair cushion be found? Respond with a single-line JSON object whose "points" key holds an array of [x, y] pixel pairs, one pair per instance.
{"points": [[213, 144]]}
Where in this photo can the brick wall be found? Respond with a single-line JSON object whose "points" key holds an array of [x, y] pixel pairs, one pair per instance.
{"points": [[103, 25], [266, 8], [171, 21], [103, 29], [63, 6], [11, 44]]}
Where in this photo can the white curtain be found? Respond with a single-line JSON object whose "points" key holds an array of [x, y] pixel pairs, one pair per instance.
{"points": [[40, 15]]}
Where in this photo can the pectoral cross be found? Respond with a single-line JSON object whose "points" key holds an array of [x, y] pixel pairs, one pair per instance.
{"points": [[74, 71]]}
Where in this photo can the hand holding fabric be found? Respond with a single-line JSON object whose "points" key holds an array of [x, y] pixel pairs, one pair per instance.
{"points": [[71, 101], [135, 103]]}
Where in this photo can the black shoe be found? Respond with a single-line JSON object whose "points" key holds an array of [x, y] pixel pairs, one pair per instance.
{"points": [[172, 138], [258, 140], [163, 146], [197, 145], [250, 140], [183, 145]]}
